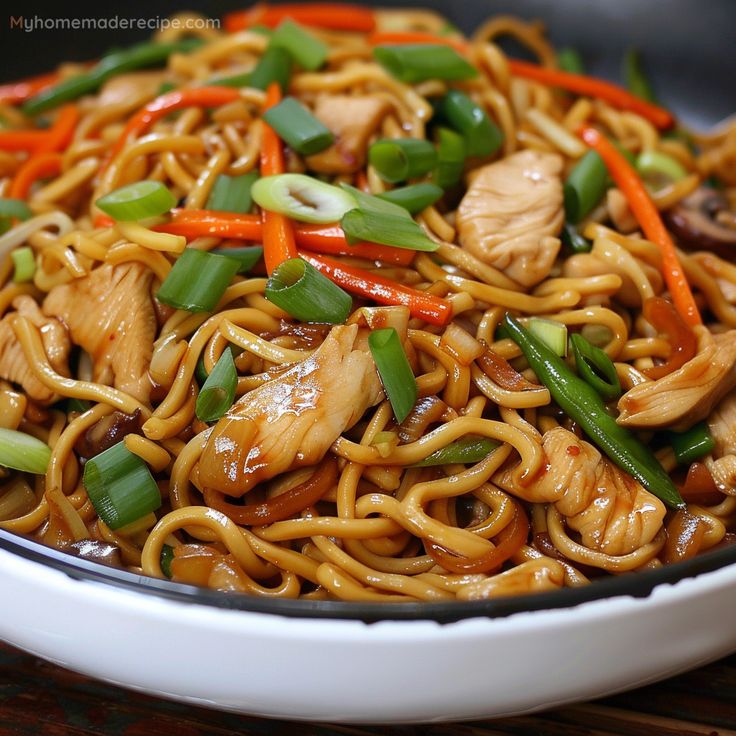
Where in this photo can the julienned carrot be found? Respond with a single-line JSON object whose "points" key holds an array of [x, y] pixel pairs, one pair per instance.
{"points": [[212, 96], [15, 92], [592, 87], [61, 132], [334, 16], [23, 140], [37, 167], [317, 238], [279, 244], [628, 181], [430, 308], [409, 37]]}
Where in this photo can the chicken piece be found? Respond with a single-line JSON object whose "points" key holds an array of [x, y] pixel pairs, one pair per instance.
{"points": [[13, 364], [686, 395], [722, 425], [131, 88], [612, 512], [110, 314], [511, 212], [291, 421], [353, 120]]}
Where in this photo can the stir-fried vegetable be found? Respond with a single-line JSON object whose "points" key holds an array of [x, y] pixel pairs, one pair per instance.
{"points": [[412, 63], [396, 373], [137, 201], [218, 392]]}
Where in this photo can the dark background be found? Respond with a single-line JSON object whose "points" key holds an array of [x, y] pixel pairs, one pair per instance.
{"points": [[689, 45]]}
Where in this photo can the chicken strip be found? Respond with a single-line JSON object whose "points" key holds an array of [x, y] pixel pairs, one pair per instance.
{"points": [[722, 425], [291, 421], [110, 314], [353, 120], [612, 512], [13, 364], [687, 395], [511, 212]]}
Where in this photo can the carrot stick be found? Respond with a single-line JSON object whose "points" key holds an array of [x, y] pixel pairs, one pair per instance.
{"points": [[408, 37], [279, 244], [63, 129], [592, 87], [628, 181], [103, 221], [212, 96], [430, 308], [37, 167], [23, 140], [333, 16], [201, 223], [15, 92]]}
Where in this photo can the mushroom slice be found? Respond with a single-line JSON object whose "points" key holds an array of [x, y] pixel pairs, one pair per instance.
{"points": [[694, 221]]}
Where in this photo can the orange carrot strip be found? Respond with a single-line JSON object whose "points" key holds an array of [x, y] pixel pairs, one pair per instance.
{"points": [[279, 243], [59, 136], [176, 100], [628, 181], [23, 140], [404, 37], [334, 16], [592, 87], [103, 221], [15, 92], [198, 223], [662, 315], [37, 167], [430, 308]]}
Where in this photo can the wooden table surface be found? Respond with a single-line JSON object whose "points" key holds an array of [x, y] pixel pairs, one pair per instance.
{"points": [[44, 700]]}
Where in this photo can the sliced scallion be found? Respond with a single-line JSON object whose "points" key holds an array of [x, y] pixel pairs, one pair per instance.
{"points": [[21, 451], [399, 159], [15, 209], [394, 369], [300, 289], [167, 555], [413, 198], [595, 368], [302, 198], [692, 444], [24, 264], [197, 280], [635, 78], [573, 241], [412, 63], [569, 60], [137, 201], [298, 127], [246, 257], [450, 158], [236, 80], [218, 393], [463, 451], [552, 334], [232, 193], [654, 163], [78, 405], [585, 186], [120, 486], [273, 66], [482, 136], [306, 50]]}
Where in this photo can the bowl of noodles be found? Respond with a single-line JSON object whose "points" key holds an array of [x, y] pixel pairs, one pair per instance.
{"points": [[334, 339]]}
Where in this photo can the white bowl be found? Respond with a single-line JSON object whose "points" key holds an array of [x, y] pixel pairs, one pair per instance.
{"points": [[391, 671]]}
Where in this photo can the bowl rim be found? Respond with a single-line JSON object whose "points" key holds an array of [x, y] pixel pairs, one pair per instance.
{"points": [[636, 585]]}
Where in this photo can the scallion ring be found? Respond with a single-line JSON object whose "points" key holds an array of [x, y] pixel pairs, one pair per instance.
{"points": [[24, 264], [552, 334], [137, 201], [21, 451], [232, 193], [412, 63], [218, 392], [396, 374], [399, 159], [298, 127]]}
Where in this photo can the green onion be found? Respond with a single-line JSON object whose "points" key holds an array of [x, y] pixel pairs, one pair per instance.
{"points": [[635, 78], [450, 158], [573, 241], [262, 29], [380, 221], [15, 209], [236, 80], [585, 186], [552, 334], [654, 163], [232, 193], [273, 66], [482, 136], [463, 451], [24, 264], [118, 62], [167, 555], [598, 335], [197, 280], [298, 127], [165, 87], [306, 50], [307, 295], [569, 60], [394, 369], [246, 257], [302, 198], [414, 198], [595, 368], [218, 393], [419, 62], [78, 405], [692, 444], [137, 201], [120, 486], [400, 159], [21, 451]]}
